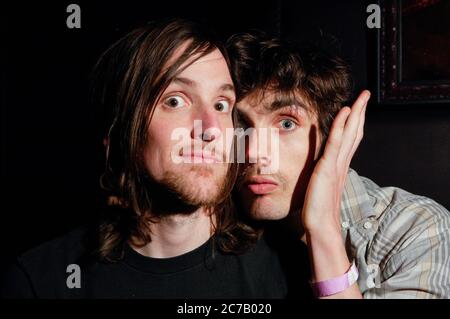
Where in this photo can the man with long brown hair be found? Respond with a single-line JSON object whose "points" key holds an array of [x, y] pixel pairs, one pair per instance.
{"points": [[170, 230]]}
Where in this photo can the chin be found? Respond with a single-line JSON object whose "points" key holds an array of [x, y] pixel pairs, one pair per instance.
{"points": [[268, 215], [266, 209], [200, 186]]}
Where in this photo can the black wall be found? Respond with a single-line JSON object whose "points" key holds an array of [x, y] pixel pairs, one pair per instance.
{"points": [[51, 159]]}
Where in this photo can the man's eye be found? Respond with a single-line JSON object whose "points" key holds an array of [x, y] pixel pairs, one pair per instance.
{"points": [[175, 102], [287, 125], [222, 106]]}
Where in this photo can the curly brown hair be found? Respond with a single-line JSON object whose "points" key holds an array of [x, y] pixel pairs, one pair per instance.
{"points": [[261, 62]]}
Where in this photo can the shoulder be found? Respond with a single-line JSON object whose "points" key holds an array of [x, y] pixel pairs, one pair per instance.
{"points": [[411, 237], [406, 237], [404, 215], [401, 215], [42, 270], [414, 227], [67, 248]]}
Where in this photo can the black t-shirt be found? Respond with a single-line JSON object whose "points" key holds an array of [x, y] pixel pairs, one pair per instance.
{"points": [[294, 258], [44, 272]]}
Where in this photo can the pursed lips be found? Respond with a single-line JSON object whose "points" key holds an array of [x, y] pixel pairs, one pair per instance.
{"points": [[261, 185]]}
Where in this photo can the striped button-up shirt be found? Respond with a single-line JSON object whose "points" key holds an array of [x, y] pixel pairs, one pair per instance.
{"points": [[400, 241]]}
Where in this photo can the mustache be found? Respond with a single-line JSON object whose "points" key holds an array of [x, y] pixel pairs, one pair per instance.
{"points": [[250, 171]]}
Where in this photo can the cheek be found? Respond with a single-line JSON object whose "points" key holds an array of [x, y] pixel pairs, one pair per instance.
{"points": [[227, 122], [225, 142], [294, 155], [157, 150]]}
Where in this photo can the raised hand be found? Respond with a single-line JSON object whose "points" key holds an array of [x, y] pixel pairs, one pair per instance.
{"points": [[321, 207]]}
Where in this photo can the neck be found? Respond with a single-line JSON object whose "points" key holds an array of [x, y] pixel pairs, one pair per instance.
{"points": [[177, 234]]}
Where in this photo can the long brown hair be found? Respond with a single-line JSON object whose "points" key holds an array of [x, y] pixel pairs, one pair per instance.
{"points": [[128, 81]]}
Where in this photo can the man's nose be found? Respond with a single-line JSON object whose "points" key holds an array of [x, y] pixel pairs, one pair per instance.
{"points": [[258, 147], [206, 125]]}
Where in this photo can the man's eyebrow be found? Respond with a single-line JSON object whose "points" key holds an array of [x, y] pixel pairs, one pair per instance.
{"points": [[227, 87], [189, 82], [184, 81], [287, 102]]}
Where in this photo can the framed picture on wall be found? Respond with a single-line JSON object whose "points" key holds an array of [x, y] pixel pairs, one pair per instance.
{"points": [[414, 52]]}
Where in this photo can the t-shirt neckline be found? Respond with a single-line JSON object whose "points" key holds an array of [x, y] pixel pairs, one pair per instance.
{"points": [[168, 265]]}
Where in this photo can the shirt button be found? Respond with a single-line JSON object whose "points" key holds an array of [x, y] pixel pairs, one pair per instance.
{"points": [[345, 225], [370, 283], [367, 225]]}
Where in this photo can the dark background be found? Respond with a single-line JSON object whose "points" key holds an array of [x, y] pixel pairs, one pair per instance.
{"points": [[51, 157]]}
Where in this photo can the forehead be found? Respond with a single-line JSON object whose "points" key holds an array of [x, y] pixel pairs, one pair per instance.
{"points": [[197, 62], [213, 57], [265, 102], [208, 73], [212, 64]]}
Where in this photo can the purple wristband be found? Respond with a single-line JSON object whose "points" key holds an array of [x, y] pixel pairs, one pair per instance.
{"points": [[335, 285]]}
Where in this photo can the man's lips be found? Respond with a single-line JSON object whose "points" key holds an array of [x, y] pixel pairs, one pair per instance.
{"points": [[261, 185], [200, 157]]}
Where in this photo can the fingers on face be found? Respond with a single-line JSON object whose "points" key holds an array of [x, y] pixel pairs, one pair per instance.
{"points": [[335, 138], [354, 128], [360, 132], [347, 131]]}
